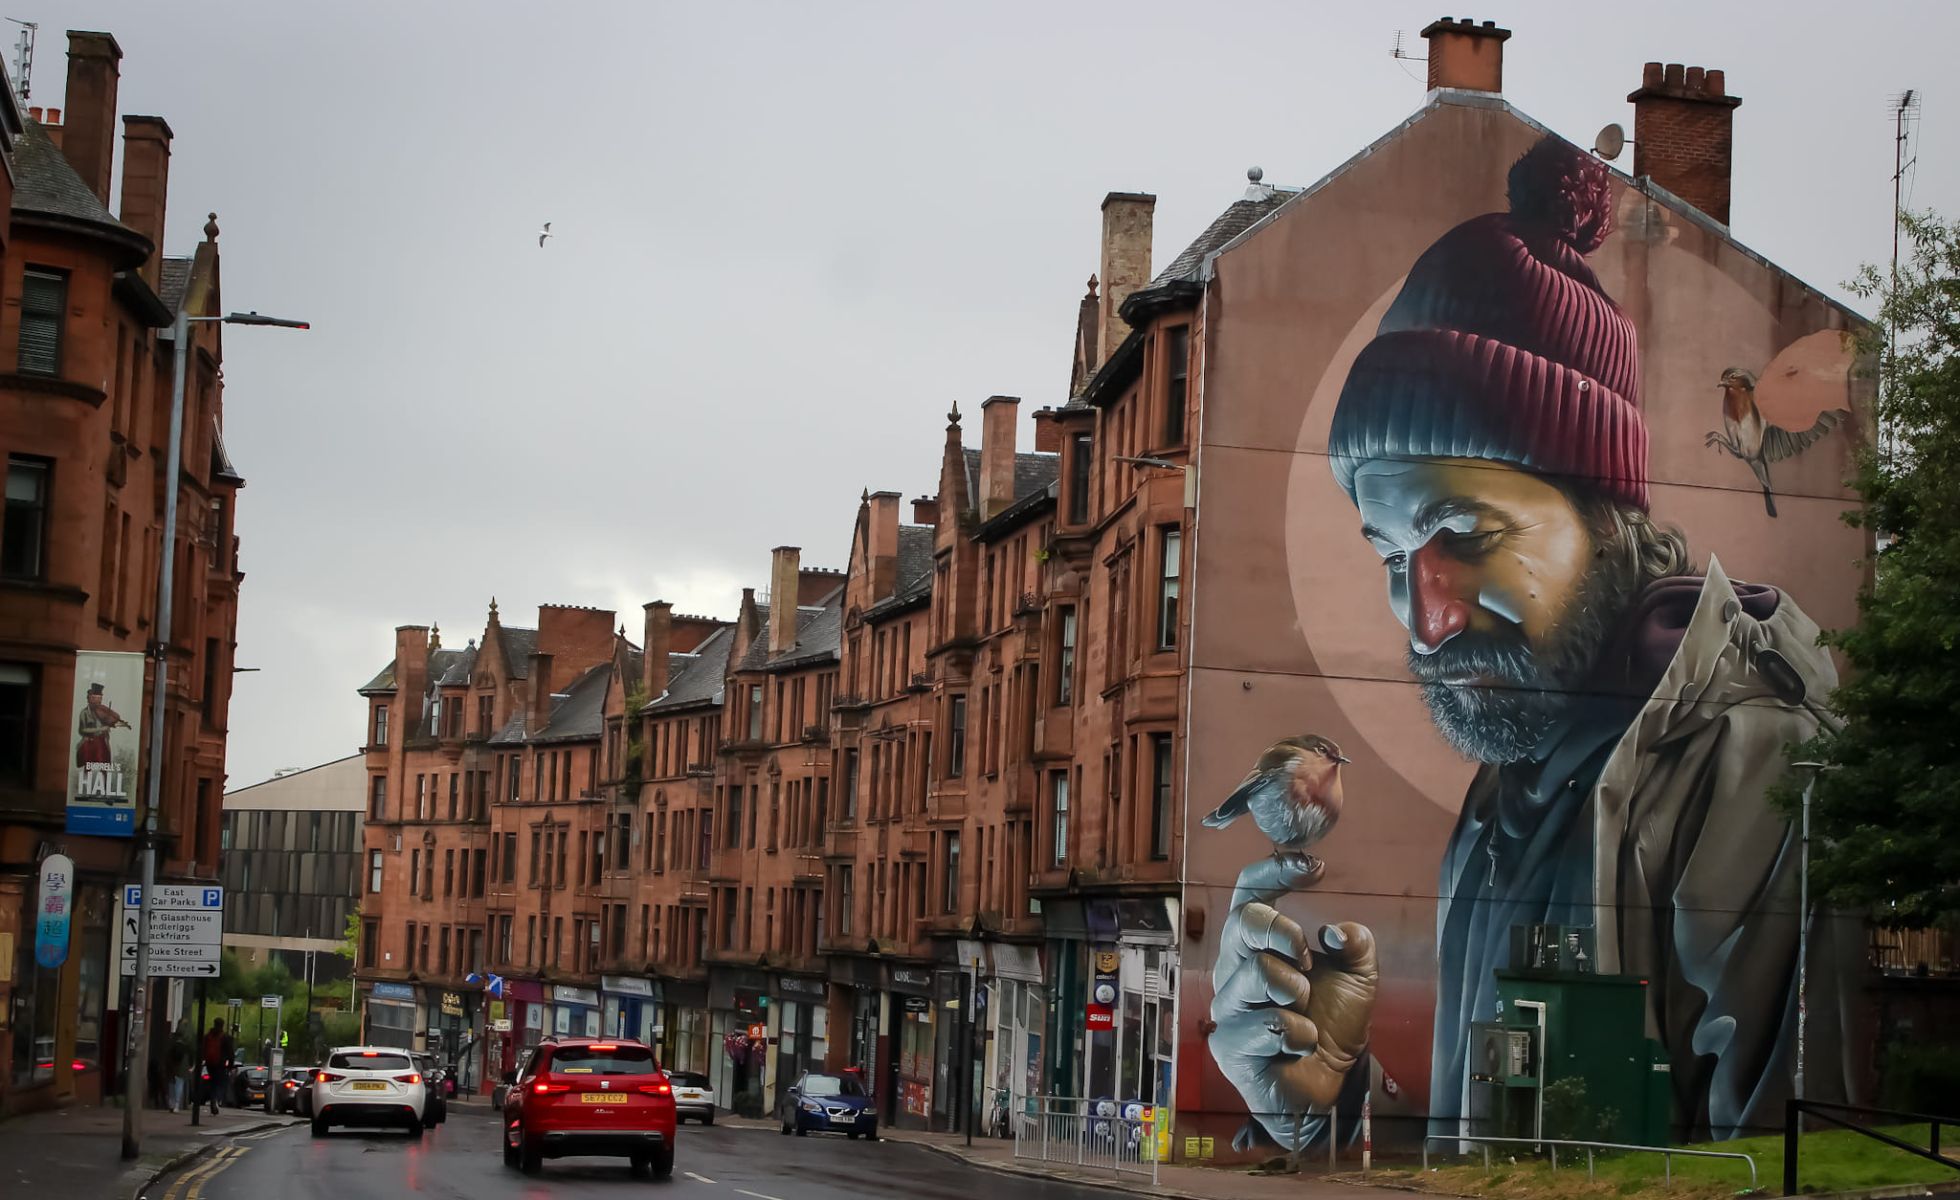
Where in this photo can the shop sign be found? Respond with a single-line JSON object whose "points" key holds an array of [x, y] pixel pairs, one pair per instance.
{"points": [[626, 985], [393, 991], [1100, 1012], [790, 985], [452, 1004], [51, 919], [916, 1004], [575, 995]]}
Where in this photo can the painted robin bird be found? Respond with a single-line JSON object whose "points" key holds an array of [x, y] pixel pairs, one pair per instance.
{"points": [[1294, 795], [1747, 435]]}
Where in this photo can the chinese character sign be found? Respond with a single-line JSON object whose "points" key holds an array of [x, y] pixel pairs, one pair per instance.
{"points": [[102, 769], [51, 915]]}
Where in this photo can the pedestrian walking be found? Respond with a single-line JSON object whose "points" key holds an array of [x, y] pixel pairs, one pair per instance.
{"points": [[177, 1058], [219, 1052]]}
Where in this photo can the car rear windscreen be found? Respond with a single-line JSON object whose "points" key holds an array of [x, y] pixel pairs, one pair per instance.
{"points": [[377, 1061], [602, 1060], [688, 1079]]}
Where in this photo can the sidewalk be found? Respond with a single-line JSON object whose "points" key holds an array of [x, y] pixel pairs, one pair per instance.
{"points": [[1173, 1182], [76, 1153]]}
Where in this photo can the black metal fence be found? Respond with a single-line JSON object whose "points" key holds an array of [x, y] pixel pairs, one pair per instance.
{"points": [[1793, 1115]]}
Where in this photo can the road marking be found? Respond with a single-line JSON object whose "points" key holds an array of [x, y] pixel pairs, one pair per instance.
{"points": [[197, 1189], [689, 1174], [198, 1172], [757, 1195]]}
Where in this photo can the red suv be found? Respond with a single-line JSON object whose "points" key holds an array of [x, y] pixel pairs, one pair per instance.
{"points": [[580, 1096]]}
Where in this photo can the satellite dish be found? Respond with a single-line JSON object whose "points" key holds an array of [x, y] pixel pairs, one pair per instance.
{"points": [[1610, 142]]}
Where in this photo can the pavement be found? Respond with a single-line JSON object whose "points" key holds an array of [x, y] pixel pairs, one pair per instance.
{"points": [[76, 1153]]}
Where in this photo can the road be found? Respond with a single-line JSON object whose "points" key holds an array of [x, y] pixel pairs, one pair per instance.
{"points": [[461, 1161]]}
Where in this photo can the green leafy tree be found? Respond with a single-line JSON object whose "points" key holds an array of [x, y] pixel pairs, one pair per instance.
{"points": [[1885, 824]]}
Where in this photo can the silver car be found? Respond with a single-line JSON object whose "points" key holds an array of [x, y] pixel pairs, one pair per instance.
{"points": [[693, 1097]]}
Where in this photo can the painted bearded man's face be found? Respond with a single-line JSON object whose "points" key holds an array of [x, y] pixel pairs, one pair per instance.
{"points": [[1497, 578]]}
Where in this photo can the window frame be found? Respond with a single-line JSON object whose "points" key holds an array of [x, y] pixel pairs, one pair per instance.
{"points": [[1177, 382], [41, 507], [56, 316], [1170, 585]]}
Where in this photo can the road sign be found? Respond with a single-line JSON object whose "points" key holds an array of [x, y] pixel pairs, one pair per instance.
{"points": [[268, 1002], [176, 895], [186, 929]]}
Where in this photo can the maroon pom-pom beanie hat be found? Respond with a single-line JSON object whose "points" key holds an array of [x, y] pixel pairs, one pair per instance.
{"points": [[1502, 345]]}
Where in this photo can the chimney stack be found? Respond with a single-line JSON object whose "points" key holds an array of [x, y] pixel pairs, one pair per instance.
{"points": [[997, 415], [1047, 431], [1127, 219], [1466, 55], [658, 640], [1683, 134], [146, 185], [925, 510], [882, 531], [89, 140], [540, 714], [785, 578]]}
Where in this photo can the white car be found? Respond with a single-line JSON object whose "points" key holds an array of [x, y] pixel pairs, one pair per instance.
{"points": [[693, 1099], [371, 1086]]}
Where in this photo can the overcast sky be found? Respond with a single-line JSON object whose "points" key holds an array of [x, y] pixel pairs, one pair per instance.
{"points": [[788, 237]]}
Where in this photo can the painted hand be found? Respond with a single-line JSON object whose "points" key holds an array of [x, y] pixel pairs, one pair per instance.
{"points": [[1290, 1023]]}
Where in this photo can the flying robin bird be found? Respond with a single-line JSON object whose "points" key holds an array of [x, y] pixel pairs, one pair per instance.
{"points": [[1751, 437], [1293, 793]]}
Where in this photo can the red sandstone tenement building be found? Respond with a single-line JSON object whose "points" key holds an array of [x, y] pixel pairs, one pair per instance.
{"points": [[87, 297], [1269, 502]]}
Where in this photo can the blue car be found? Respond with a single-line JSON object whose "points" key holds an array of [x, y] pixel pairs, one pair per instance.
{"points": [[829, 1104]]}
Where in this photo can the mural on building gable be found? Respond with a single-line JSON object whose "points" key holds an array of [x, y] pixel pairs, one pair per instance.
{"points": [[1625, 705]]}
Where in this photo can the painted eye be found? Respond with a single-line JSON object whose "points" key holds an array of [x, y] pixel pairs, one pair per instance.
{"points": [[1397, 561]]}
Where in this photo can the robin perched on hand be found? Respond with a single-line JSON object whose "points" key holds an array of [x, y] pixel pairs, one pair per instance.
{"points": [[1294, 795]]}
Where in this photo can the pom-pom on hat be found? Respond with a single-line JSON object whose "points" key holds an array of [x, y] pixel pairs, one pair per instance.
{"points": [[1502, 345]]}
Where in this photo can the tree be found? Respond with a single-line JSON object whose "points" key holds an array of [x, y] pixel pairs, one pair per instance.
{"points": [[1885, 824], [350, 936]]}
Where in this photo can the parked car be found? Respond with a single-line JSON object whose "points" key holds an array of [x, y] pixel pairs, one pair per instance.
{"points": [[370, 1086], [433, 1076], [829, 1104], [295, 1084], [248, 1086], [583, 1096], [693, 1096]]}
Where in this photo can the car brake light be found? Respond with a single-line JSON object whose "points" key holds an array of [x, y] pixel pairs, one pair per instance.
{"points": [[607, 1048], [545, 1089], [657, 1089], [328, 1077], [411, 1077]]}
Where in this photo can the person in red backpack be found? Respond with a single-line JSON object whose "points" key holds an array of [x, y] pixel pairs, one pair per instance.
{"points": [[217, 1052]]}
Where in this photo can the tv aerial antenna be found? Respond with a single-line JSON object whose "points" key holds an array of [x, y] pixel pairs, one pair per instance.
{"points": [[1401, 55], [24, 56]]}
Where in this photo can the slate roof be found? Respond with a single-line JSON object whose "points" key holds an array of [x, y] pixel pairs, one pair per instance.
{"points": [[519, 644], [1032, 472], [451, 668], [174, 276], [383, 681], [698, 679], [221, 468], [915, 545], [1186, 270], [45, 183], [819, 629], [581, 713]]}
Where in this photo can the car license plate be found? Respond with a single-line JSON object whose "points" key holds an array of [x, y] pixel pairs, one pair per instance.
{"points": [[598, 1097], [369, 1086]]}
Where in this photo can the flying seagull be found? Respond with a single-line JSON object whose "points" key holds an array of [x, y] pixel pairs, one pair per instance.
{"points": [[544, 233]]}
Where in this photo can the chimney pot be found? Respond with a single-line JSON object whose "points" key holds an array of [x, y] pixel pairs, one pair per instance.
{"points": [[54, 116], [1683, 134], [925, 510], [1466, 55]]}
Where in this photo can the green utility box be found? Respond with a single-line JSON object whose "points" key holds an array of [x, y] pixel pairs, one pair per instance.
{"points": [[1603, 1078]]}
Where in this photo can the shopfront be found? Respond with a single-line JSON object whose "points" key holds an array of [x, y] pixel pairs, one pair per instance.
{"points": [[392, 1015], [1112, 998], [574, 1011], [915, 1048], [1018, 1007], [684, 1038], [629, 1008], [801, 1014], [738, 1011]]}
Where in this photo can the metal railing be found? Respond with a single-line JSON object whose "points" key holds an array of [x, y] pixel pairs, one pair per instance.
{"points": [[1666, 1152], [1100, 1135], [1794, 1111]]}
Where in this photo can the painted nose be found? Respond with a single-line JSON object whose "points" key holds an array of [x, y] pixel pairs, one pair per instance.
{"points": [[1438, 609]]}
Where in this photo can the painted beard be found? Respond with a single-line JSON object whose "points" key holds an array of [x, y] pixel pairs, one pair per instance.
{"points": [[1529, 687]]}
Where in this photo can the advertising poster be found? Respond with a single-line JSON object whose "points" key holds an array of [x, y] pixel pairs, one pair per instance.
{"points": [[52, 917], [102, 771]]}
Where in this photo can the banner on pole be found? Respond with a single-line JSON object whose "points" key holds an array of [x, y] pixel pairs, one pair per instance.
{"points": [[102, 771]]}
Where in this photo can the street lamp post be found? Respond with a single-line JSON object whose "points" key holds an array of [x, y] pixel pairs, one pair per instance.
{"points": [[138, 1057]]}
